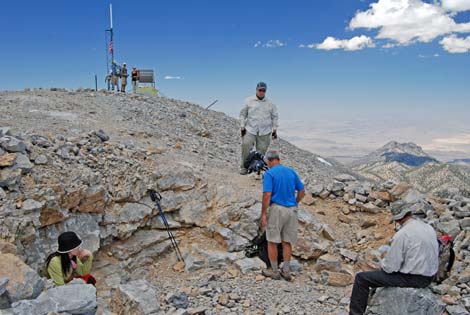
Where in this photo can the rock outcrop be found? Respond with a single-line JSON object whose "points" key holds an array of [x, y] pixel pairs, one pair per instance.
{"points": [[399, 301], [75, 297]]}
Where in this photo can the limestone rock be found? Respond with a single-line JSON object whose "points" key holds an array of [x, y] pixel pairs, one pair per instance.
{"points": [[451, 227], [310, 248], [399, 301], [349, 254], [456, 310], [337, 279], [344, 178], [247, 265], [102, 135], [308, 200], [23, 282], [317, 190], [328, 262], [327, 232], [94, 200], [31, 205], [178, 299], [232, 241], [141, 240], [135, 298], [177, 180], [12, 144], [381, 195], [23, 163], [399, 190], [7, 159], [7, 248], [41, 159], [370, 208], [9, 177], [75, 297], [4, 299], [413, 196]]}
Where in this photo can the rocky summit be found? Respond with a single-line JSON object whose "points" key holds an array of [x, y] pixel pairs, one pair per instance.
{"points": [[85, 161]]}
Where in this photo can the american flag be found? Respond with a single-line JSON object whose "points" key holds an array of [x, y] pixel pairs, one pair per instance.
{"points": [[110, 47]]}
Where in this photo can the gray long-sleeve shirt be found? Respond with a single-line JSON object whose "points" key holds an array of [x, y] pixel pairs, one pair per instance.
{"points": [[414, 250], [259, 117]]}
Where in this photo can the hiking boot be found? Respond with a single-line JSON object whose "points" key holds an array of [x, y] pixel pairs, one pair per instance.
{"points": [[286, 275], [271, 274], [243, 171]]}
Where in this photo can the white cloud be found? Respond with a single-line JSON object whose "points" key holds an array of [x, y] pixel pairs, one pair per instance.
{"points": [[456, 5], [389, 45], [272, 43], [455, 45], [428, 56], [355, 43], [169, 77], [407, 21]]}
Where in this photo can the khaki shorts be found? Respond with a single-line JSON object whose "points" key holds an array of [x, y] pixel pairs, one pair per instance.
{"points": [[282, 225]]}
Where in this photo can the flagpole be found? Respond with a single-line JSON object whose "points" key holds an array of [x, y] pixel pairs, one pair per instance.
{"points": [[111, 30]]}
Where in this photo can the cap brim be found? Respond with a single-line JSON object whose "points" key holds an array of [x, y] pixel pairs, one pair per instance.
{"points": [[400, 216]]}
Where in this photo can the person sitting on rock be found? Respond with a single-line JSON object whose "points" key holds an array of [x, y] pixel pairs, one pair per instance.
{"points": [[259, 122], [280, 184], [412, 260], [70, 261]]}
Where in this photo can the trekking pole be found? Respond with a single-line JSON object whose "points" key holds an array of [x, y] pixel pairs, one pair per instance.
{"points": [[156, 197]]}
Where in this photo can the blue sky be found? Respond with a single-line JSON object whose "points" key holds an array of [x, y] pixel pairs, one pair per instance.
{"points": [[210, 44]]}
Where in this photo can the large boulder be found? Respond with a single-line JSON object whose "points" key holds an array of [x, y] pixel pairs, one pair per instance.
{"points": [[76, 297], [23, 282], [400, 301], [135, 298], [232, 241]]}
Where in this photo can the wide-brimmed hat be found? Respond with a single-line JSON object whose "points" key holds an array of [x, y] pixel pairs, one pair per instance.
{"points": [[400, 209], [68, 241]]}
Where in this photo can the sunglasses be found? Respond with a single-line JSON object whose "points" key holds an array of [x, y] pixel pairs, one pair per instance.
{"points": [[262, 90]]}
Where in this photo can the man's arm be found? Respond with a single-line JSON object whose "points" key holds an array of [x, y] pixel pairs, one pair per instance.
{"points": [[264, 208], [300, 195], [243, 116], [395, 256], [274, 117]]}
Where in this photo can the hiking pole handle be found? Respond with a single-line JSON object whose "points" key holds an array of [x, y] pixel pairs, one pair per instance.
{"points": [[155, 196]]}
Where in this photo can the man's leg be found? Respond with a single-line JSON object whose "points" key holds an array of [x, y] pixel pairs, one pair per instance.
{"points": [[273, 235], [262, 143], [289, 238], [375, 279], [247, 144], [286, 257], [273, 254]]}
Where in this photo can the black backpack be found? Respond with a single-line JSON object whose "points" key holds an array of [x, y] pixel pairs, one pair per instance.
{"points": [[259, 248], [255, 163]]}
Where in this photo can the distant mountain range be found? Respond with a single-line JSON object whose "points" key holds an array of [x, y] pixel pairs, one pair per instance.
{"points": [[407, 162], [465, 162]]}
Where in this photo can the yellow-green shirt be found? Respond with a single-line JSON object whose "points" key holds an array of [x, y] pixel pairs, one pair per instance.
{"points": [[54, 269]]}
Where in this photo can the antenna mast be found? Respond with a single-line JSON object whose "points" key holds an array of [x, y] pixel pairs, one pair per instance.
{"points": [[109, 41]]}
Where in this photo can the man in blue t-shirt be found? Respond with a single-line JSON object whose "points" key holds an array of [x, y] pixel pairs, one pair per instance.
{"points": [[280, 184]]}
